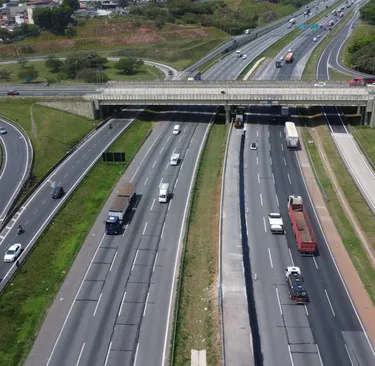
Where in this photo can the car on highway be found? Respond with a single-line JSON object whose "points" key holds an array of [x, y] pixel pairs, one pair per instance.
{"points": [[315, 39], [170, 72], [321, 84], [253, 146], [244, 57], [3, 131], [318, 36], [12, 253], [58, 192], [368, 85], [13, 92], [176, 129]]}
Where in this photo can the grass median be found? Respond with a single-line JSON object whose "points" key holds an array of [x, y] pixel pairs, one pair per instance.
{"points": [[25, 302], [198, 319], [359, 207], [51, 134], [365, 135]]}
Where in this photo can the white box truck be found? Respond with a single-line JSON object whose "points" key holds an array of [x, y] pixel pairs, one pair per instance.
{"points": [[285, 111], [175, 158], [163, 192], [291, 135], [292, 21], [276, 223]]}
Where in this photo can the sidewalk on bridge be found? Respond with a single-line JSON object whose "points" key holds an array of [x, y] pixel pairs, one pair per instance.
{"points": [[354, 285]]}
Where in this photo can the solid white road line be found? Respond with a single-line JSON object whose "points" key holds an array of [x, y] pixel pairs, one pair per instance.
{"points": [[122, 303], [162, 230], [175, 183], [320, 357], [277, 200], [269, 254], [80, 354], [261, 199], [264, 222], [169, 205], [144, 229], [97, 304], [316, 264], [273, 178], [135, 258], [291, 258], [182, 164], [144, 311], [146, 181], [278, 300], [113, 261], [136, 355], [307, 312], [347, 351], [106, 357], [156, 258], [290, 182], [153, 202], [290, 355], [73, 302], [329, 302]]}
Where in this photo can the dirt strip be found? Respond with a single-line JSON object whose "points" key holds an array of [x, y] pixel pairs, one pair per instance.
{"points": [[355, 287]]}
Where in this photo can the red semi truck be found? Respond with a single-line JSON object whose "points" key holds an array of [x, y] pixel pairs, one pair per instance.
{"points": [[361, 81], [305, 237]]}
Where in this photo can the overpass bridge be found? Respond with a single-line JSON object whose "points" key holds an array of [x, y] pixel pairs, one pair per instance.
{"points": [[237, 93]]}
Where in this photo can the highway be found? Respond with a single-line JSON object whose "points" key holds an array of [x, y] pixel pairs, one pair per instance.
{"points": [[330, 58], [231, 67], [122, 309], [17, 156], [37, 212]]}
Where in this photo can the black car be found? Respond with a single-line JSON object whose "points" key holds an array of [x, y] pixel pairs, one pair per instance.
{"points": [[58, 192], [170, 72]]}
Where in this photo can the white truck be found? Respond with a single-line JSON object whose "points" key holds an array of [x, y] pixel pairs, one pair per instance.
{"points": [[276, 223], [291, 135], [292, 21], [163, 192], [175, 158], [285, 110]]}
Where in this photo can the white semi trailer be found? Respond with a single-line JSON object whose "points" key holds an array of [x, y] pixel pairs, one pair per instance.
{"points": [[291, 135]]}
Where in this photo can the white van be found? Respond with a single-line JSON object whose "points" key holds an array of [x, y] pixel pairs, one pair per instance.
{"points": [[175, 158], [247, 31], [176, 129], [314, 39]]}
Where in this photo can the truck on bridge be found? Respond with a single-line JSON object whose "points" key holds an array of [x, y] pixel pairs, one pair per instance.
{"points": [[361, 81], [289, 57], [117, 211], [291, 135], [303, 232], [294, 279], [238, 118]]}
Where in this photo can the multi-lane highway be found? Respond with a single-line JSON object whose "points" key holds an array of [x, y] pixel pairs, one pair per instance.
{"points": [[122, 309], [15, 167]]}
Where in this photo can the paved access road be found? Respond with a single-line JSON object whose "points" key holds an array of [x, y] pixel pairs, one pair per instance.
{"points": [[16, 155], [231, 67], [40, 209], [121, 310], [330, 58], [326, 331]]}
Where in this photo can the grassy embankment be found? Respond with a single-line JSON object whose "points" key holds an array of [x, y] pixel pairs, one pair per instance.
{"points": [[177, 45], [360, 30], [143, 73], [54, 131], [271, 52], [310, 70], [23, 304], [359, 207], [198, 320]]}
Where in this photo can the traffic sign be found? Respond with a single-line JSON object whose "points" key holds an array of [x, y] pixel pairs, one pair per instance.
{"points": [[28, 79], [269, 101], [314, 26], [302, 26]]}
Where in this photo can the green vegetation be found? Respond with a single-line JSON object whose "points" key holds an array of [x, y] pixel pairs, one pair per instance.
{"points": [[366, 137], [53, 133], [24, 304], [198, 321], [310, 70], [142, 73], [359, 52], [359, 207]]}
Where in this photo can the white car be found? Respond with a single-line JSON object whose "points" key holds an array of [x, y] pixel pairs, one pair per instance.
{"points": [[318, 35], [244, 57], [253, 146], [176, 129], [314, 39], [290, 50], [371, 85], [12, 253], [3, 131], [322, 84]]}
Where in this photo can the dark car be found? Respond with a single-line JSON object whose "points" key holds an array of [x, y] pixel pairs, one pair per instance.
{"points": [[170, 72], [13, 92], [58, 192]]}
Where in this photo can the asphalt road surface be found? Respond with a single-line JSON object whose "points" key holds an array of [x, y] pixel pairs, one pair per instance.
{"points": [[327, 329], [330, 57], [121, 311], [231, 67], [37, 212], [16, 155]]}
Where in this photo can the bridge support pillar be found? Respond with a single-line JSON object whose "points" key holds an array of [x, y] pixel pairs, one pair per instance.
{"points": [[227, 114], [372, 118], [101, 114]]}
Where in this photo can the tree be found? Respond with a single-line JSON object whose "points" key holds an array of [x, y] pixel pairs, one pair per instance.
{"points": [[126, 65], [159, 22], [5, 74], [73, 4], [123, 3], [83, 60], [5, 34], [54, 64], [90, 75], [61, 17], [43, 17], [28, 73], [22, 63]]}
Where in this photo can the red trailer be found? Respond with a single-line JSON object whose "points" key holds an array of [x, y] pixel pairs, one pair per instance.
{"points": [[305, 237]]}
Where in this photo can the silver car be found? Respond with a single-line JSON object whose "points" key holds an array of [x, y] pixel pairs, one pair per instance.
{"points": [[3, 131]]}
